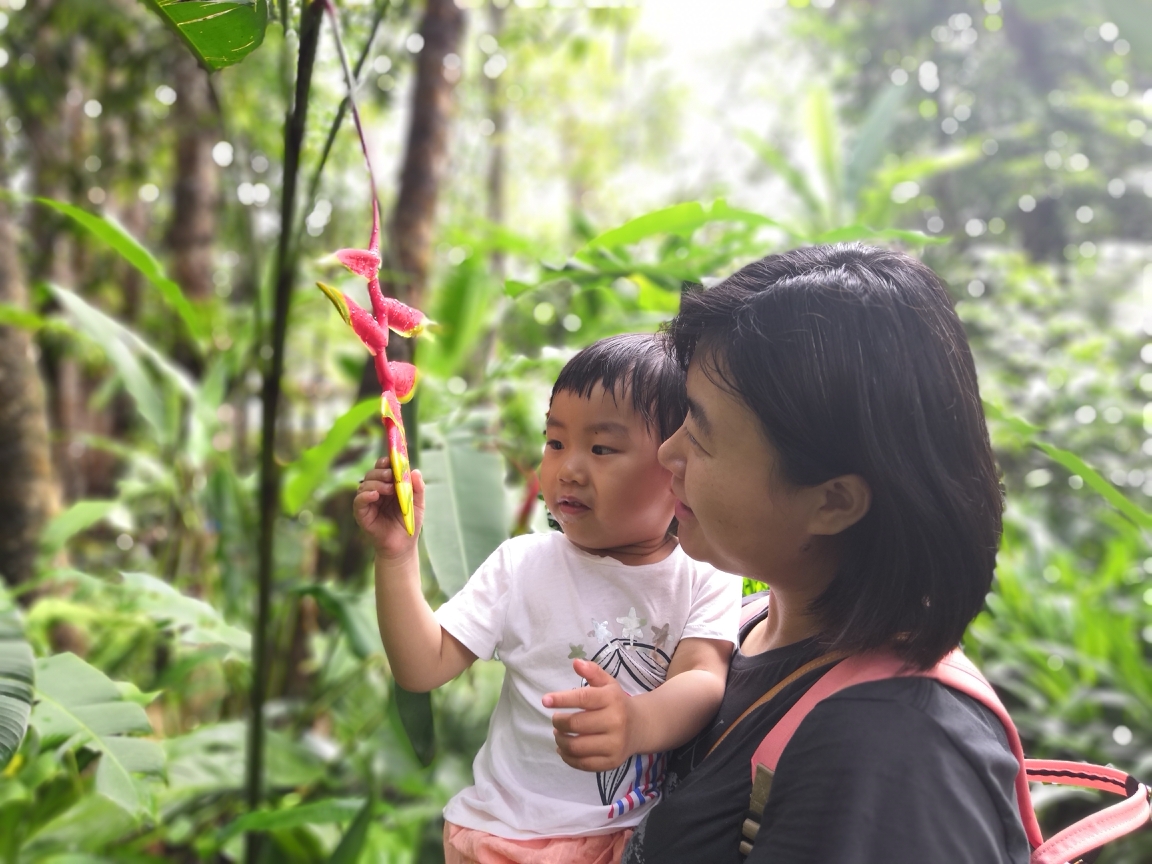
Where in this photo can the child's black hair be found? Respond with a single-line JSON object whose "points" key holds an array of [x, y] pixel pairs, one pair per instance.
{"points": [[635, 365], [855, 362]]}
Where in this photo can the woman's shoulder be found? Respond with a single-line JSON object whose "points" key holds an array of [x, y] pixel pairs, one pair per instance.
{"points": [[913, 722]]}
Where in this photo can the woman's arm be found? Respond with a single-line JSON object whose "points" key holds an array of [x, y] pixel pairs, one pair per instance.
{"points": [[611, 726]]}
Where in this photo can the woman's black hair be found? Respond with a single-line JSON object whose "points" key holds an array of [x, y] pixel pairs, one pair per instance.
{"points": [[855, 362], [636, 365]]}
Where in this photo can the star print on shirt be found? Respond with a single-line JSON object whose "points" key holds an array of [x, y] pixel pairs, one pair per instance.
{"points": [[577, 652], [600, 631], [633, 626]]}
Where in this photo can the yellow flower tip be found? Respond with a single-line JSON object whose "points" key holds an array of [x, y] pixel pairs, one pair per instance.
{"points": [[338, 301]]}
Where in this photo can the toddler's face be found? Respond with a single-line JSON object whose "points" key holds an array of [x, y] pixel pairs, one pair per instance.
{"points": [[600, 476]]}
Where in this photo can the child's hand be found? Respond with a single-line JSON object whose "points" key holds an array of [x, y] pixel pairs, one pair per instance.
{"points": [[378, 513], [598, 737]]}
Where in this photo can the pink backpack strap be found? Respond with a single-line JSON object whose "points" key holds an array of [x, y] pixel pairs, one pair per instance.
{"points": [[1094, 831], [955, 671]]}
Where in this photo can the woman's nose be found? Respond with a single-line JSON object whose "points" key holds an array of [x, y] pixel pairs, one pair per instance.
{"points": [[671, 453]]}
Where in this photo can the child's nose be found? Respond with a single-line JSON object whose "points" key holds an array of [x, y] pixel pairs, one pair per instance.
{"points": [[572, 469]]}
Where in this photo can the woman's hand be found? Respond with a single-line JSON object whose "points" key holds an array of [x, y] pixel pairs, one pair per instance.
{"points": [[599, 736], [378, 512]]}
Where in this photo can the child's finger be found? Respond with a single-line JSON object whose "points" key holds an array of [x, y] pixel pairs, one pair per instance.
{"points": [[580, 723], [384, 475], [584, 698], [585, 747], [380, 488]]}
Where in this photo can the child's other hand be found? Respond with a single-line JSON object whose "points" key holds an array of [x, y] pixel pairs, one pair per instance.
{"points": [[378, 513], [596, 738]]}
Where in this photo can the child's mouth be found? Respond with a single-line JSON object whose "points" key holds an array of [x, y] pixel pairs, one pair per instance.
{"points": [[683, 511], [571, 507]]}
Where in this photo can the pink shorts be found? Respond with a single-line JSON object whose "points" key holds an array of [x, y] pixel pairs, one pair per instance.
{"points": [[469, 846]]}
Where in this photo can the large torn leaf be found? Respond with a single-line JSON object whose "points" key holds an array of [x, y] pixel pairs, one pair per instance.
{"points": [[17, 675], [219, 32], [80, 516], [79, 705]]}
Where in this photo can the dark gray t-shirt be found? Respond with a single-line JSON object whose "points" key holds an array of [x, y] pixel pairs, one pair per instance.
{"points": [[902, 770]]}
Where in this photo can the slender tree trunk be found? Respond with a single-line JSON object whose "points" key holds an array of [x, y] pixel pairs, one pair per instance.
{"points": [[28, 494], [197, 186], [294, 126]]}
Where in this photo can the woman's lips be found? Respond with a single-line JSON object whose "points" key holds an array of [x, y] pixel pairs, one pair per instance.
{"points": [[683, 511]]}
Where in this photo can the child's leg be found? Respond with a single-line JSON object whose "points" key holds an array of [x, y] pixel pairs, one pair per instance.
{"points": [[468, 846]]}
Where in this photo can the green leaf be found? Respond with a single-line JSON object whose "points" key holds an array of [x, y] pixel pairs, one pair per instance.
{"points": [[306, 473], [821, 126], [872, 139], [464, 518], [415, 713], [116, 236], [219, 32], [195, 622], [775, 159], [352, 843], [14, 316], [357, 621], [325, 812], [78, 704], [17, 677], [1093, 479], [125, 350], [66, 525], [677, 219]]}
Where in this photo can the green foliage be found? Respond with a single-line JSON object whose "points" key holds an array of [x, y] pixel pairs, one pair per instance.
{"points": [[17, 677], [116, 237], [79, 706], [219, 32], [464, 517]]}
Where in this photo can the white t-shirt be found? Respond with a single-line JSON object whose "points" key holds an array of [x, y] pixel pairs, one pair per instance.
{"points": [[538, 602]]}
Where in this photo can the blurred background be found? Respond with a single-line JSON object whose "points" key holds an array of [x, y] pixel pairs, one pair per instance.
{"points": [[186, 599]]}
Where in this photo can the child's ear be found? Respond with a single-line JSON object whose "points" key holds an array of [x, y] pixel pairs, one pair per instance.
{"points": [[841, 503]]}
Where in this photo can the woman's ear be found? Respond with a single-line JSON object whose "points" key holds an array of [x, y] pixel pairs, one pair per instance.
{"points": [[841, 503]]}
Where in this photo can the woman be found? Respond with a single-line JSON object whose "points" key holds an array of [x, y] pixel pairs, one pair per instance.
{"points": [[835, 448]]}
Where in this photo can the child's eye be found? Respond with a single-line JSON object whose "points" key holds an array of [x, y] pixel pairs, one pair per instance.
{"points": [[601, 450], [553, 444]]}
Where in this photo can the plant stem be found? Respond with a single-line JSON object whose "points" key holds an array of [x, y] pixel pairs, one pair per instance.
{"points": [[294, 126], [314, 183]]}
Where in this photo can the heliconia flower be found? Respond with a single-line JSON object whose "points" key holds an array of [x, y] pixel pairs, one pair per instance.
{"points": [[374, 337], [398, 456], [403, 319], [404, 377]]}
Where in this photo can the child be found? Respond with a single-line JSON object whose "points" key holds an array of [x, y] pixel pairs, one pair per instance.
{"points": [[612, 597]]}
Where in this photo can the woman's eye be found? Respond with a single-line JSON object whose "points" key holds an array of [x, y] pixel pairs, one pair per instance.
{"points": [[692, 440]]}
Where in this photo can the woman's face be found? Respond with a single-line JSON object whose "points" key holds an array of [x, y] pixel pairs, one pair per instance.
{"points": [[733, 513]]}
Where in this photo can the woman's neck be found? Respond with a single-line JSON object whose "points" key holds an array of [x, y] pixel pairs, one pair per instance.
{"points": [[788, 621]]}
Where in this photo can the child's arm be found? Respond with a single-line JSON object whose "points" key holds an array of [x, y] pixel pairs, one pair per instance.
{"points": [[611, 726], [422, 654]]}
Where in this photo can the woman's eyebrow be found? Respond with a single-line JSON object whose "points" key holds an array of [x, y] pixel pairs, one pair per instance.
{"points": [[699, 416]]}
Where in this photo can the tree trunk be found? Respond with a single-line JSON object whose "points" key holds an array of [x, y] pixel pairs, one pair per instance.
{"points": [[28, 495], [197, 186]]}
